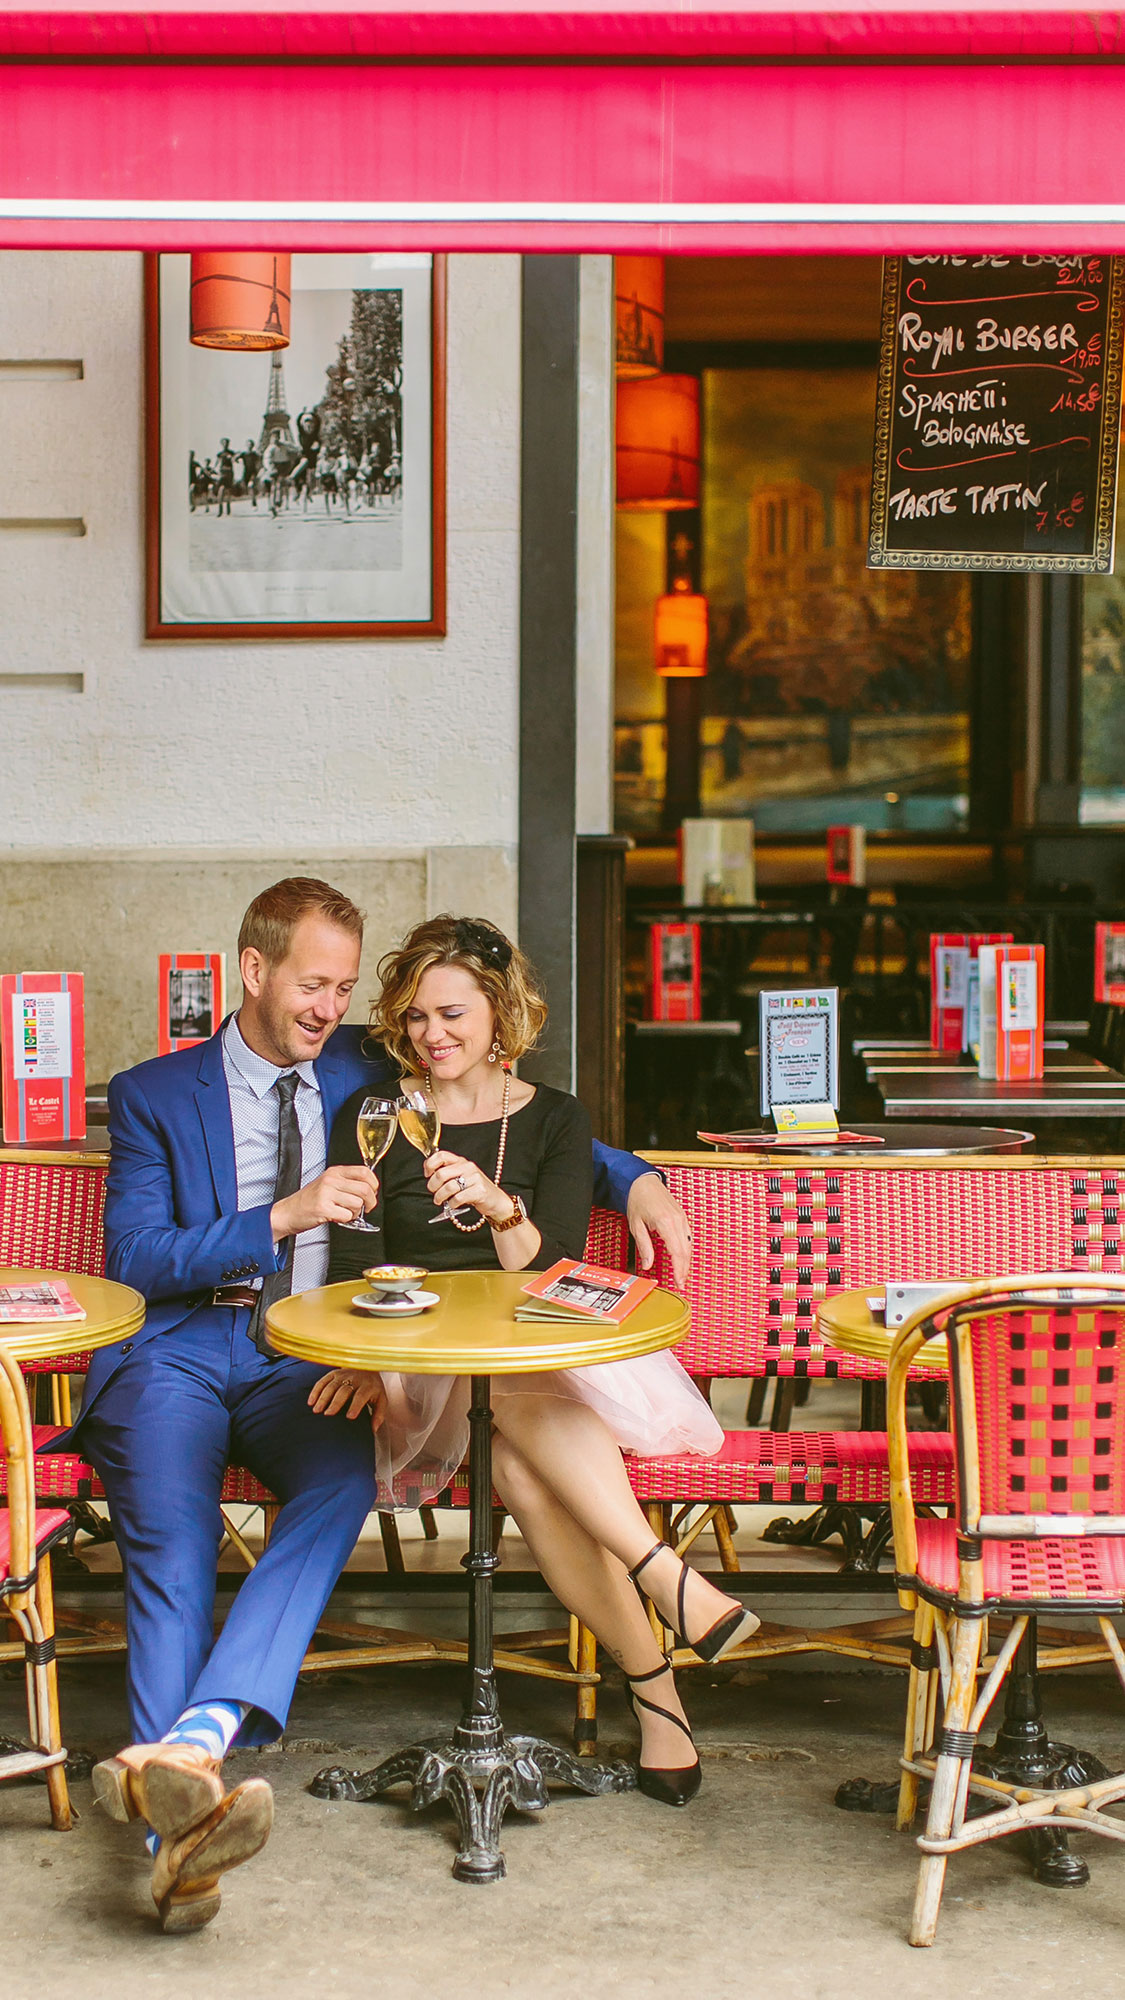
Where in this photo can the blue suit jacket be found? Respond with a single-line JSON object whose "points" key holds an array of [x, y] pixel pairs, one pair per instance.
{"points": [[173, 1228]]}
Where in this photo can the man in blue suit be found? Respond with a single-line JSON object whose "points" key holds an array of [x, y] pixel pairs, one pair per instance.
{"points": [[218, 1202]]}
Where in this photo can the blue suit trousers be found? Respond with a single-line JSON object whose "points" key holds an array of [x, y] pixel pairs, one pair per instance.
{"points": [[176, 1412]]}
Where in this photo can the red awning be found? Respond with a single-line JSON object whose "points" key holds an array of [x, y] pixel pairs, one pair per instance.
{"points": [[170, 127]]}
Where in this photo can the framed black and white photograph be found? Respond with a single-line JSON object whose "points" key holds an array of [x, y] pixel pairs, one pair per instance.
{"points": [[300, 493]]}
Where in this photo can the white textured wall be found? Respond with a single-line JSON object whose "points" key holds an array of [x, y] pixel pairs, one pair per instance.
{"points": [[138, 815], [396, 744]]}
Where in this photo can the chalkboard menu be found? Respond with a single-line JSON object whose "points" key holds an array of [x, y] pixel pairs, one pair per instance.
{"points": [[998, 413]]}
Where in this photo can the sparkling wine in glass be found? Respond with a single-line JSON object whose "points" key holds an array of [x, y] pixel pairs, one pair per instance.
{"points": [[374, 1129], [420, 1122]]}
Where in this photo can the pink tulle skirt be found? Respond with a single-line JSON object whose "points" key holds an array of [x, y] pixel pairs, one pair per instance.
{"points": [[650, 1406]]}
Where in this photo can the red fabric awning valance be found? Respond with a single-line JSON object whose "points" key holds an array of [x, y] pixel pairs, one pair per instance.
{"points": [[321, 30], [717, 156]]}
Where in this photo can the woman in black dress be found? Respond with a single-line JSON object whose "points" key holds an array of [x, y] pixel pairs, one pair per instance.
{"points": [[459, 1005]]}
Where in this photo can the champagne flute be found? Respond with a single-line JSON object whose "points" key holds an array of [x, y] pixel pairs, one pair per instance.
{"points": [[374, 1129], [419, 1121]]}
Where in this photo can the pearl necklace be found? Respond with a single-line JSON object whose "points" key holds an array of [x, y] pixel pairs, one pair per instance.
{"points": [[469, 1228]]}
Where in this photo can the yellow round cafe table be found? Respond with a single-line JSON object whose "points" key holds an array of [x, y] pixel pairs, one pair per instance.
{"points": [[472, 1331], [113, 1312], [847, 1322]]}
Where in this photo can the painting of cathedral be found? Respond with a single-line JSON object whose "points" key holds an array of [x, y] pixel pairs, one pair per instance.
{"points": [[829, 685]]}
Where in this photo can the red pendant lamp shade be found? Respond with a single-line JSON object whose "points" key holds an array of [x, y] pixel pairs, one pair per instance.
{"points": [[638, 284], [681, 635], [240, 299], [658, 443]]}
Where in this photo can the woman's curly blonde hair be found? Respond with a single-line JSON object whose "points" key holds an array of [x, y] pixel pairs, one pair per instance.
{"points": [[499, 967]]}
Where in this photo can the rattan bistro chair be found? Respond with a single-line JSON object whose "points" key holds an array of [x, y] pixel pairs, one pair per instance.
{"points": [[1038, 1526], [26, 1538]]}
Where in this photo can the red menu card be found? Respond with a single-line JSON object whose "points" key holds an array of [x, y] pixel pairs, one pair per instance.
{"points": [[43, 1048]]}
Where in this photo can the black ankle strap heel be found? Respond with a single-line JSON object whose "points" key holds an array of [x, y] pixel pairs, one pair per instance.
{"points": [[727, 1632], [669, 1788]]}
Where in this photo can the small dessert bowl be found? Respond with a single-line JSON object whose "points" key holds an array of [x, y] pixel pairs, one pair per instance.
{"points": [[394, 1281]]}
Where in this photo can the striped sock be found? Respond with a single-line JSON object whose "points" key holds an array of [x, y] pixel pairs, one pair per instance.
{"points": [[212, 1725]]}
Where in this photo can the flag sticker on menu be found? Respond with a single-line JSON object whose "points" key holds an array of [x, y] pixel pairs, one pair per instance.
{"points": [[41, 1035]]}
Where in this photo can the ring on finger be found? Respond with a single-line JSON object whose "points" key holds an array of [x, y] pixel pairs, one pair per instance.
{"points": [[460, 1183]]}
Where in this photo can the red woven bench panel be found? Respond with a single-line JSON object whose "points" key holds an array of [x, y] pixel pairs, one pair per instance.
{"points": [[51, 1216], [58, 1364], [1096, 1213], [1090, 1566], [608, 1241], [48, 1521], [769, 1247], [1050, 1410], [954, 1223], [751, 1466], [64, 1475], [865, 1475]]}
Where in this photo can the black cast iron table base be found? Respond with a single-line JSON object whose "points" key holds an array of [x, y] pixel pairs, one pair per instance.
{"points": [[1023, 1754], [479, 1769], [480, 1783]]}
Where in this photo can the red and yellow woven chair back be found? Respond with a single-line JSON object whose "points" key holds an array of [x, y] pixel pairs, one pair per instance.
{"points": [[51, 1219], [1038, 1398], [772, 1243]]}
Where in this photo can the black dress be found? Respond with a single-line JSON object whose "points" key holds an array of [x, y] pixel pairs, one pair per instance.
{"points": [[649, 1405], [548, 1161]]}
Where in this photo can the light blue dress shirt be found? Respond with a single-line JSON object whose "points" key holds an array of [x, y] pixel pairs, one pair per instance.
{"points": [[255, 1110]]}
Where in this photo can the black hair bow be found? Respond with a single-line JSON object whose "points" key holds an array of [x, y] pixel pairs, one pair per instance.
{"points": [[483, 942]]}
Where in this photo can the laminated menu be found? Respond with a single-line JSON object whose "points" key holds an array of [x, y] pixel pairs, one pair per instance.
{"points": [[43, 1053], [954, 990], [673, 972], [1011, 1012], [847, 855], [573, 1290], [1109, 964], [191, 998], [49, 1299]]}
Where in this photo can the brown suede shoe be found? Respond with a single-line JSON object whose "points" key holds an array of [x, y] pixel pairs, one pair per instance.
{"points": [[185, 1876], [171, 1785]]}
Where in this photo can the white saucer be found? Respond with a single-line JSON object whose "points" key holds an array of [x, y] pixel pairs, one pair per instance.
{"points": [[414, 1302]]}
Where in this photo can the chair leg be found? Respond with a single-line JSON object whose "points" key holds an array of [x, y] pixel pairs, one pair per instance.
{"points": [[757, 1402], [429, 1523], [660, 1521], [728, 1555], [586, 1702], [946, 1797], [784, 1397], [917, 1711], [392, 1547], [43, 1703]]}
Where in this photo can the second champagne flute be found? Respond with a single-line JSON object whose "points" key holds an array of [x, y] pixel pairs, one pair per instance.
{"points": [[420, 1122], [374, 1129]]}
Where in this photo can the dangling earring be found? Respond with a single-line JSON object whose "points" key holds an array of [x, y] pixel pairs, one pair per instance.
{"points": [[495, 1051]]}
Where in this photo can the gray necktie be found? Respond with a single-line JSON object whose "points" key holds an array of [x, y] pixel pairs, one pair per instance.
{"points": [[279, 1284]]}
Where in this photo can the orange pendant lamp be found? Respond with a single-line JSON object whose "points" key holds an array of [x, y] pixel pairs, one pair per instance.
{"points": [[638, 284], [240, 299], [681, 634], [658, 444]]}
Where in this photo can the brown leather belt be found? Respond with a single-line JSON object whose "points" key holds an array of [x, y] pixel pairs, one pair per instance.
{"points": [[234, 1295]]}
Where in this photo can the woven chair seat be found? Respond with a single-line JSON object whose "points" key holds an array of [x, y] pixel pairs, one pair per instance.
{"points": [[750, 1466], [1071, 1569], [864, 1473], [49, 1522], [65, 1475]]}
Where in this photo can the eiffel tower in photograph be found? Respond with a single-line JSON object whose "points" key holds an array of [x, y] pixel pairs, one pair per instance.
{"points": [[275, 422]]}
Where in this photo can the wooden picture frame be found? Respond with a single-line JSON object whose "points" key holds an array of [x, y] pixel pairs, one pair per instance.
{"points": [[217, 549]]}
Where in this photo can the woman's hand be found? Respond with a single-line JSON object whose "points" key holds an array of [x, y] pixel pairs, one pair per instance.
{"points": [[351, 1389], [450, 1178]]}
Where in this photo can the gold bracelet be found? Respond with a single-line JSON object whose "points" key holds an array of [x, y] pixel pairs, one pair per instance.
{"points": [[519, 1214]]}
